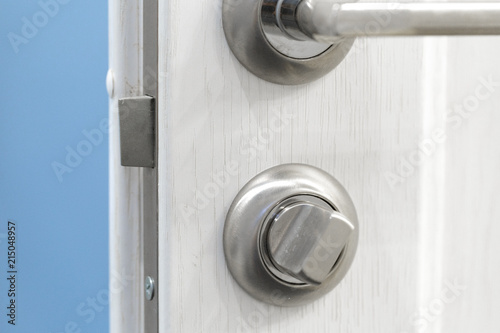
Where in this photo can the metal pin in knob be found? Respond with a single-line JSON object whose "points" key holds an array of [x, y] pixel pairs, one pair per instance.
{"points": [[306, 239]]}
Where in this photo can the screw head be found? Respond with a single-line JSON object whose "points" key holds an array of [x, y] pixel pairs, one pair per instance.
{"points": [[149, 287]]}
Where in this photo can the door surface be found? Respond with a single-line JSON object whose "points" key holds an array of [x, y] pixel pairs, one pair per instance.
{"points": [[407, 125]]}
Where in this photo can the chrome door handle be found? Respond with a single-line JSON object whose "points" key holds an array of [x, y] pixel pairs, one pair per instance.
{"points": [[298, 41], [328, 21]]}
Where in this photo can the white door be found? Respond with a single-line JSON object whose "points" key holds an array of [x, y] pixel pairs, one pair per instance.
{"points": [[408, 125]]}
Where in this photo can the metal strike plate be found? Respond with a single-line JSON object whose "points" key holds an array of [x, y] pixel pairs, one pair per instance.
{"points": [[137, 131]]}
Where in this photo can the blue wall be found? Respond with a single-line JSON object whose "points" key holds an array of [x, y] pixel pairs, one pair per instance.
{"points": [[53, 164]]}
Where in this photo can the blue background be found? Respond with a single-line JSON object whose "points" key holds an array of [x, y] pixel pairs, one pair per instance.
{"points": [[51, 90]]}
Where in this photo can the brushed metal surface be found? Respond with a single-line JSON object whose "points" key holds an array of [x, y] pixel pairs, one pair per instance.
{"points": [[242, 21], [305, 240], [150, 175], [331, 21], [137, 131], [293, 42], [246, 219]]}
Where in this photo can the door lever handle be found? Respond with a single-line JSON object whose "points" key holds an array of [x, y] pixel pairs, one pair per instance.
{"points": [[298, 41], [329, 21]]}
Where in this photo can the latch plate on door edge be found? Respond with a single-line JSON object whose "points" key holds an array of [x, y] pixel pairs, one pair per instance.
{"points": [[137, 131]]}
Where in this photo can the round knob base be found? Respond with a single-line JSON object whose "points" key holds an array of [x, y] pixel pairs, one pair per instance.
{"points": [[275, 58], [290, 235]]}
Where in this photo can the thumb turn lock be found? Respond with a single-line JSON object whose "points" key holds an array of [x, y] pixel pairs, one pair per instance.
{"points": [[290, 235], [306, 238]]}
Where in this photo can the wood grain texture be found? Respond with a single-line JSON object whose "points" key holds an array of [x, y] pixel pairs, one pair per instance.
{"points": [[469, 225], [126, 291], [359, 123], [356, 123]]}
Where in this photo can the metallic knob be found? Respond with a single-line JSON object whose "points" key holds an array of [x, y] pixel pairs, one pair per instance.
{"points": [[290, 235], [305, 240]]}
